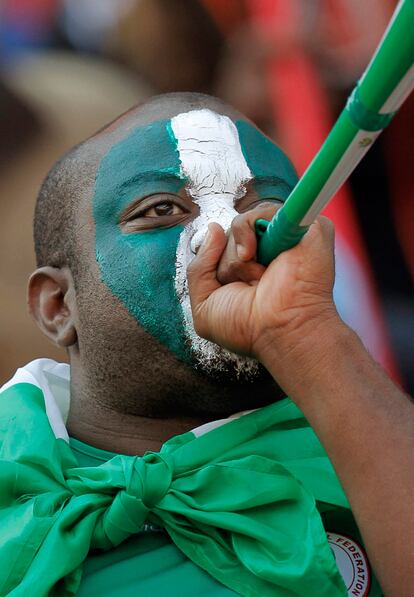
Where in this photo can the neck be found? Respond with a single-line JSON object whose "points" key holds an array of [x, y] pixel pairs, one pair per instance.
{"points": [[124, 433], [136, 409]]}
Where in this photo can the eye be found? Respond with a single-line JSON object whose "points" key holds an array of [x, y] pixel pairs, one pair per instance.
{"points": [[161, 210], [155, 206], [269, 201], [247, 206], [164, 208]]}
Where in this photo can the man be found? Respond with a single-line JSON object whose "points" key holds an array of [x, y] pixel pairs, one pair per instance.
{"points": [[57, 99], [117, 225]]}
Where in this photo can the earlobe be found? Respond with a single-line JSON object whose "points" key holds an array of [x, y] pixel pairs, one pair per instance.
{"points": [[51, 301]]}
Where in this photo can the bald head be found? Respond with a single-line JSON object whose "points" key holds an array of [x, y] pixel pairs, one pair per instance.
{"points": [[166, 106]]}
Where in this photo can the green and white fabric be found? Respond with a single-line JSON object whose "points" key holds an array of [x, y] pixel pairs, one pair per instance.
{"points": [[241, 499]]}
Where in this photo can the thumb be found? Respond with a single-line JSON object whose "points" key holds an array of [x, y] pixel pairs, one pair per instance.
{"points": [[202, 271]]}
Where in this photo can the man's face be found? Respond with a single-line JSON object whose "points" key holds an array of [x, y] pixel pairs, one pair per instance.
{"points": [[156, 192]]}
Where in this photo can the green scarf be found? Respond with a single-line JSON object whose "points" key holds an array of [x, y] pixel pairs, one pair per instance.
{"points": [[240, 501]]}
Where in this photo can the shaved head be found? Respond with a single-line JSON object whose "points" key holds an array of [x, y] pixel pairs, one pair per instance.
{"points": [[123, 211]]}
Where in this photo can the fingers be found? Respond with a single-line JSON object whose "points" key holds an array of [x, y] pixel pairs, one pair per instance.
{"points": [[201, 272], [232, 269], [244, 232], [311, 260], [325, 245], [318, 242], [327, 229], [244, 237], [322, 230], [238, 260], [222, 260], [236, 263]]}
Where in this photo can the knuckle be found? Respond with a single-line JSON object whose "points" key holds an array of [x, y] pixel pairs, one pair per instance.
{"points": [[229, 271], [232, 266]]}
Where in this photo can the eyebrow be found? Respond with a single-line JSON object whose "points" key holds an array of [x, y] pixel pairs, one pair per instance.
{"points": [[271, 180], [152, 176]]}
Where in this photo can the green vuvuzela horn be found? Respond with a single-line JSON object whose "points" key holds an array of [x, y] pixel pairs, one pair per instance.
{"points": [[385, 84]]}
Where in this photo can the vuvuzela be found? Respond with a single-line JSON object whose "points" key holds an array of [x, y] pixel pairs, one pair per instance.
{"points": [[385, 84]]}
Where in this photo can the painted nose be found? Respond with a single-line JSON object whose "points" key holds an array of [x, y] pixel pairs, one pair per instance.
{"points": [[198, 237], [218, 210]]}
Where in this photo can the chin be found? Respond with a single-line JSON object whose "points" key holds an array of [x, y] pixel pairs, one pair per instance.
{"points": [[239, 383], [218, 363], [209, 358]]}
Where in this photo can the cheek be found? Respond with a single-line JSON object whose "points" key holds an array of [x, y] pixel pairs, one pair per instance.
{"points": [[140, 270]]}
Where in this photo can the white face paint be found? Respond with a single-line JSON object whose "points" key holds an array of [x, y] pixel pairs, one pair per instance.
{"points": [[213, 162]]}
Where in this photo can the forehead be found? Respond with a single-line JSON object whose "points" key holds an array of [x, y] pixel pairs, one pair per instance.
{"points": [[157, 155]]}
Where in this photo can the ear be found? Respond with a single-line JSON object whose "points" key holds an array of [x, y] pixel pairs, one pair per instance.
{"points": [[51, 301]]}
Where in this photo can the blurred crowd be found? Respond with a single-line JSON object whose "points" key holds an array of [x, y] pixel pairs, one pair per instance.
{"points": [[67, 67]]}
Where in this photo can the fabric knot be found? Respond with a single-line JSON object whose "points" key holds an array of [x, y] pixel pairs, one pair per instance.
{"points": [[240, 501], [150, 478], [147, 479]]}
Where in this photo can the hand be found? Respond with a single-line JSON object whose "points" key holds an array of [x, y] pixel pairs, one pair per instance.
{"points": [[285, 317], [248, 309]]}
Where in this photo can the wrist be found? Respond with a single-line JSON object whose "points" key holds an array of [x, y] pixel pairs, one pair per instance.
{"points": [[296, 333], [298, 356]]}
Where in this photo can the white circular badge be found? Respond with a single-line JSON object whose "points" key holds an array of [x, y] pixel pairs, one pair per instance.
{"points": [[352, 564]]}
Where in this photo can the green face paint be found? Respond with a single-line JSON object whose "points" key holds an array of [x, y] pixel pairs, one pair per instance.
{"points": [[146, 270], [140, 268], [266, 161]]}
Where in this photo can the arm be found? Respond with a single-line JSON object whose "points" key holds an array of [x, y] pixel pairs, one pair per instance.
{"points": [[286, 318], [367, 427]]}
